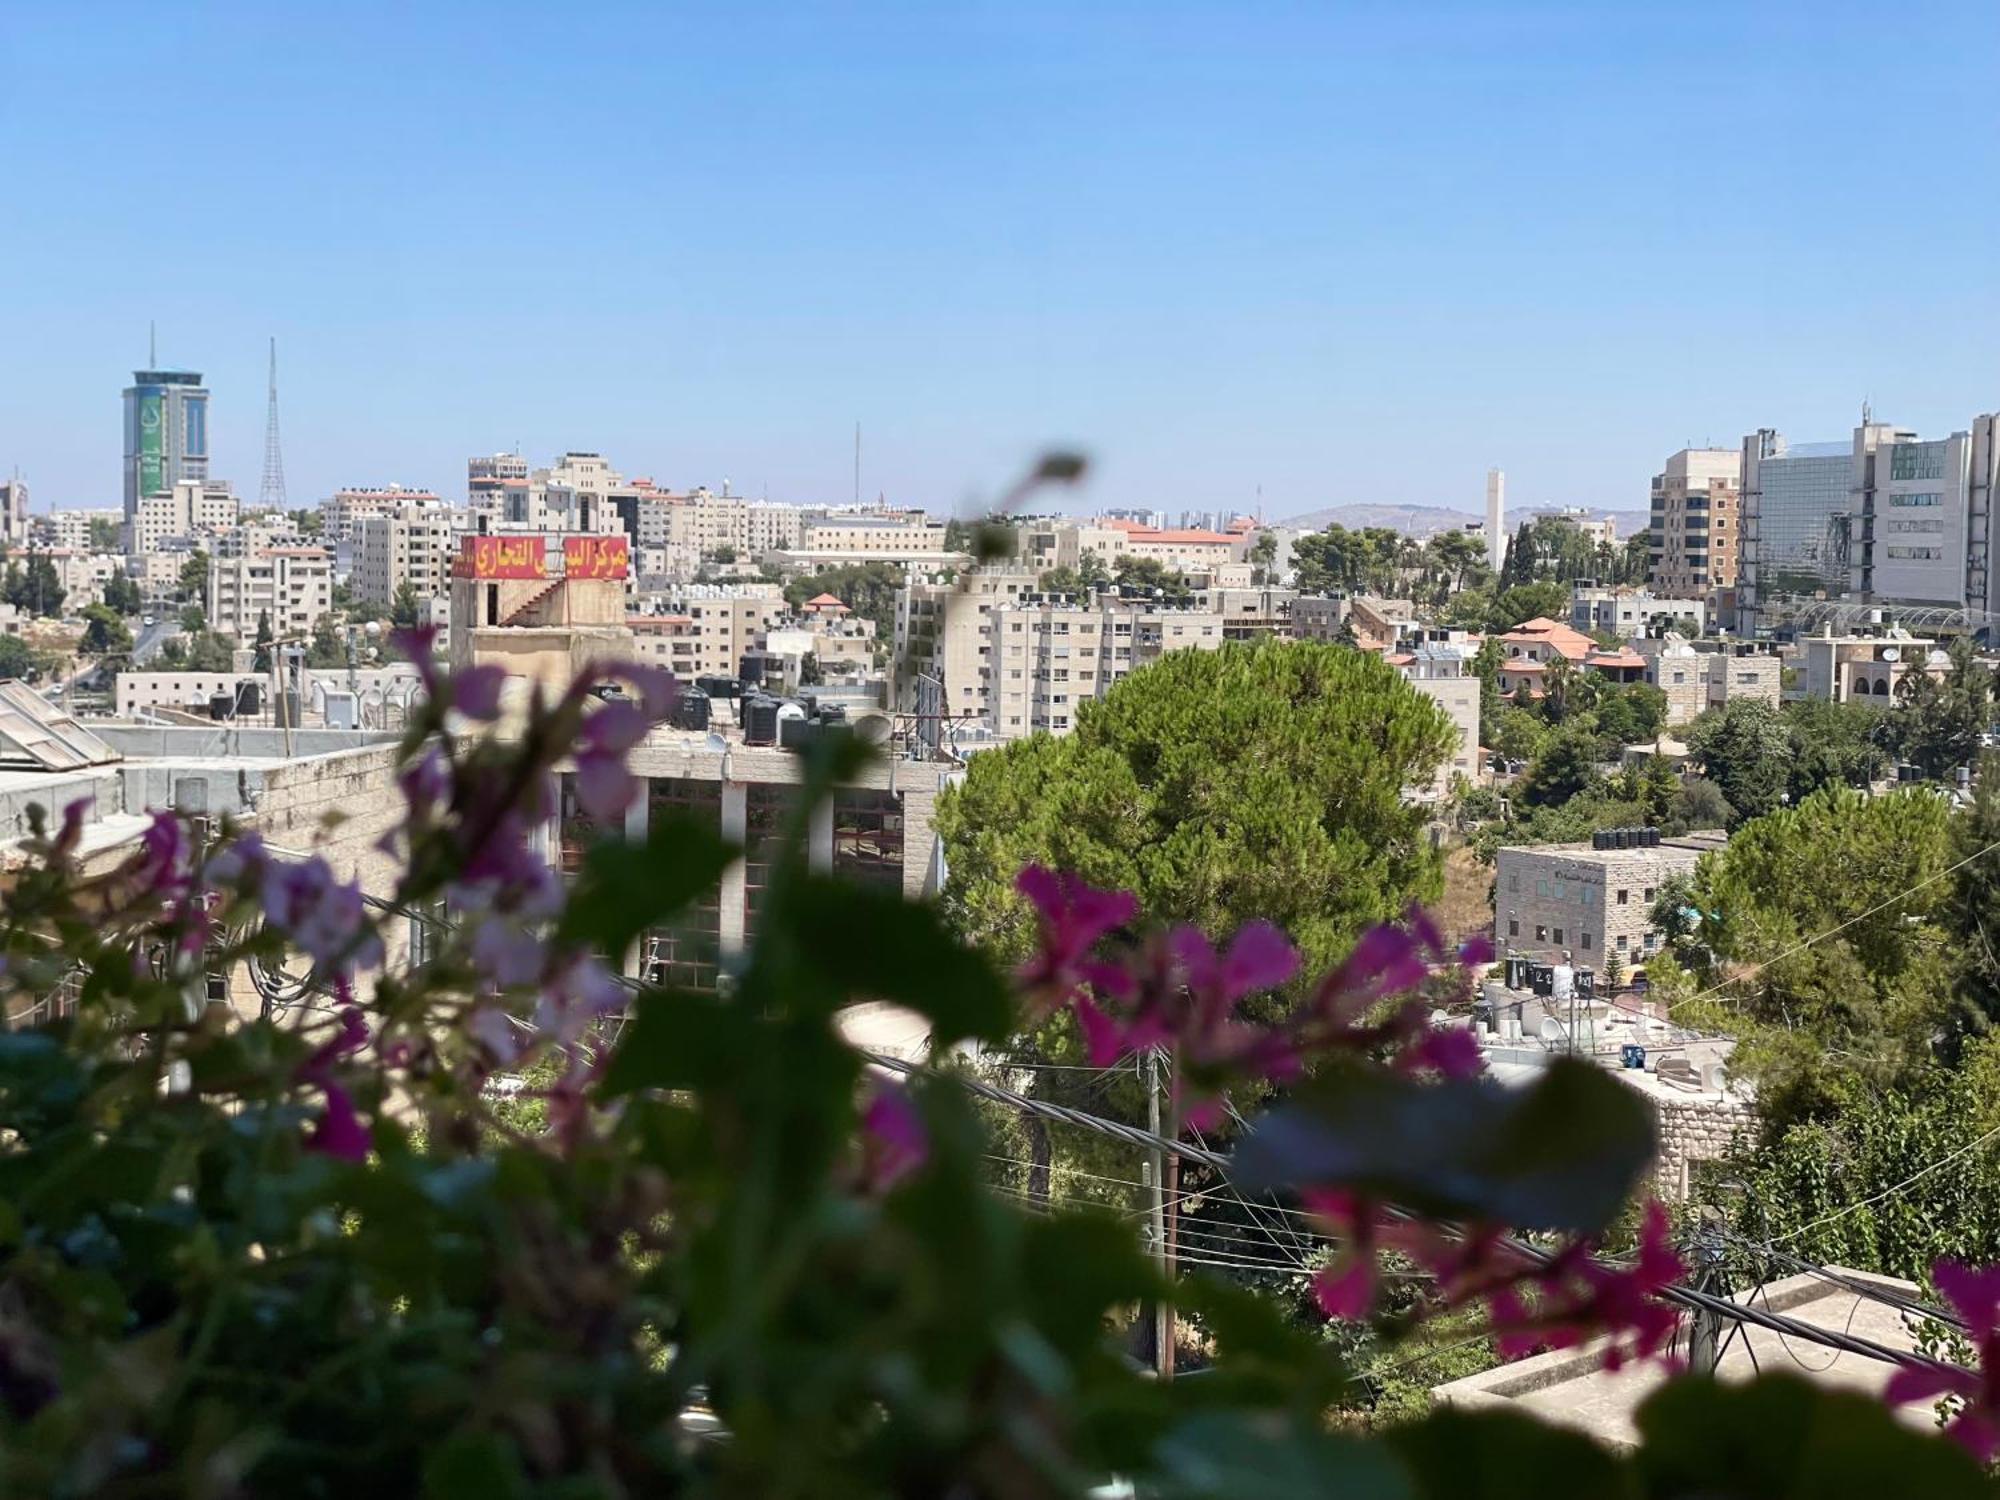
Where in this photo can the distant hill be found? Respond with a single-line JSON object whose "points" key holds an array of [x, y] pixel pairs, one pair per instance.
{"points": [[1424, 520], [1414, 520]]}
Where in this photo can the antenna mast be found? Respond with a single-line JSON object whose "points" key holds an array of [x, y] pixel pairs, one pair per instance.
{"points": [[857, 464], [272, 492]]}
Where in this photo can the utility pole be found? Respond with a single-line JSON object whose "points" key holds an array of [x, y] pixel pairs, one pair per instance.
{"points": [[1156, 1225], [1705, 1331]]}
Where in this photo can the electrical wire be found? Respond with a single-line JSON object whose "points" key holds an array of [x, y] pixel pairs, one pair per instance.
{"points": [[1890, 1191]]}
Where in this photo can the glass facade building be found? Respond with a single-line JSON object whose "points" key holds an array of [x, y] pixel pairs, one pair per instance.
{"points": [[166, 433]]}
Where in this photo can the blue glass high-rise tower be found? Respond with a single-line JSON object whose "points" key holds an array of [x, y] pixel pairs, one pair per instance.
{"points": [[166, 433]]}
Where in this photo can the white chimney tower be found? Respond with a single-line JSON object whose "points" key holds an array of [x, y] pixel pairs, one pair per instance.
{"points": [[1496, 519]]}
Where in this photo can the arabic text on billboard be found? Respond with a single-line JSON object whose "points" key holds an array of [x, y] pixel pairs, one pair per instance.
{"points": [[152, 446], [501, 557], [594, 556]]}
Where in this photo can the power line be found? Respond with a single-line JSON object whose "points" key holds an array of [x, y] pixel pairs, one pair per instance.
{"points": [[1881, 906], [1688, 1297], [1892, 1190]]}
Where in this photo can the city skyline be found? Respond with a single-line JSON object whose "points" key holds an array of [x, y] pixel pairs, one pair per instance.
{"points": [[1238, 250]]}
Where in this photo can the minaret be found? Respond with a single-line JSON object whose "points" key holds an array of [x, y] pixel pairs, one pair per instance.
{"points": [[1496, 519]]}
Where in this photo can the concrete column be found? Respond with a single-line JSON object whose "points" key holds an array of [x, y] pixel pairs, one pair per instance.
{"points": [[819, 838], [735, 825], [550, 832], [637, 818]]}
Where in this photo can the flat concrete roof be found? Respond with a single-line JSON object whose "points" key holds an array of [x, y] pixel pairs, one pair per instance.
{"points": [[1570, 1388]]}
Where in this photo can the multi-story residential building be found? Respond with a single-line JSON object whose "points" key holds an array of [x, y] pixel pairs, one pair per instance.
{"points": [[247, 537], [341, 513], [1047, 653], [1871, 669], [1442, 671], [410, 545], [942, 639], [188, 509], [1631, 612], [497, 494], [81, 529], [1694, 522], [1577, 899], [1697, 680], [1534, 645], [14, 511], [166, 434], [293, 585]]}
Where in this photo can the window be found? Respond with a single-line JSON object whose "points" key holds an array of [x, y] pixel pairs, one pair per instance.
{"points": [[1513, 927], [1621, 942], [1649, 893], [1623, 896], [1514, 881], [1559, 937], [1541, 933], [1584, 939]]}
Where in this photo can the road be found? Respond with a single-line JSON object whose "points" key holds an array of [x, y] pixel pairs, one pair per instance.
{"points": [[151, 637]]}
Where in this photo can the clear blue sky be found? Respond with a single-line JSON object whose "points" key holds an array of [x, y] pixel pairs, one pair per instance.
{"points": [[1347, 252]]}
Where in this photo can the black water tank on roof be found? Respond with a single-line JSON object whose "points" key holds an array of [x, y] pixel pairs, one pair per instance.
{"points": [[692, 710], [760, 721]]}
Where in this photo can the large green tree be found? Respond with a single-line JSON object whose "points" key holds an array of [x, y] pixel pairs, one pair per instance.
{"points": [[1821, 922], [1744, 749], [869, 589], [1259, 780], [104, 633], [1939, 726]]}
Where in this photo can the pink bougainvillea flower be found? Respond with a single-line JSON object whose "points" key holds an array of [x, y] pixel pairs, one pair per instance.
{"points": [[1345, 1289], [604, 787], [338, 1130], [1578, 1297], [894, 1141], [507, 953], [1451, 1050], [656, 686], [1071, 917], [325, 916], [1975, 1294], [475, 691]]}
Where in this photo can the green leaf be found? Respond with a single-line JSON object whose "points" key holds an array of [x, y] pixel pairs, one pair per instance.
{"points": [[1563, 1154], [677, 1040], [871, 943], [473, 1466], [1780, 1438], [624, 888], [1504, 1455], [1234, 1456]]}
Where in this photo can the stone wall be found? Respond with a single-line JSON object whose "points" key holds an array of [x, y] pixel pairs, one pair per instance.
{"points": [[1700, 1127]]}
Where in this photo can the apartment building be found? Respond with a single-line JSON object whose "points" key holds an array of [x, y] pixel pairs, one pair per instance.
{"points": [[191, 506], [1552, 899], [1695, 523], [294, 585], [1442, 671], [409, 544], [1869, 669], [1631, 612], [341, 512], [942, 638], [77, 528], [1047, 653], [1697, 680]]}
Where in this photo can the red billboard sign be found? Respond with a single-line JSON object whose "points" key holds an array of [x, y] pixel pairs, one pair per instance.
{"points": [[501, 557], [595, 556]]}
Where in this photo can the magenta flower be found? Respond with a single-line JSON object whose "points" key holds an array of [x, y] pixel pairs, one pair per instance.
{"points": [[1578, 1298], [1072, 916], [1976, 1425], [604, 787], [475, 692], [338, 1130], [507, 953], [894, 1141], [656, 686], [1345, 1289], [325, 916]]}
